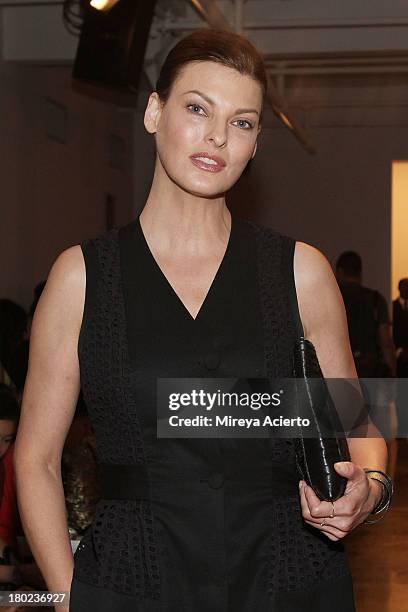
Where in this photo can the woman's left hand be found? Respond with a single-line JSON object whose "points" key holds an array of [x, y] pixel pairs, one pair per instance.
{"points": [[360, 497]]}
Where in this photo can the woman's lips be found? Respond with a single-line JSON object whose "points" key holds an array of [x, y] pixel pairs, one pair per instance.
{"points": [[214, 164]]}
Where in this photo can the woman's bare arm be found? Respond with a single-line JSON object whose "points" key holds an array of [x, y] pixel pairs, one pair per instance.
{"points": [[325, 325], [48, 407]]}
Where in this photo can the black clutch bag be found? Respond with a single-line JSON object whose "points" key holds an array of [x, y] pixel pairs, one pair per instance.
{"points": [[325, 443]]}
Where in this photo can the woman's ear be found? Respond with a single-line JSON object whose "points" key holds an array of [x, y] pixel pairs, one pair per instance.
{"points": [[254, 151], [152, 113]]}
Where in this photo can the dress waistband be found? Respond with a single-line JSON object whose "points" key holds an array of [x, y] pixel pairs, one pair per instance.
{"points": [[121, 481]]}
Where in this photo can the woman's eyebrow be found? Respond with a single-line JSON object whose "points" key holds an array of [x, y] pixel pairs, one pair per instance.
{"points": [[207, 99]]}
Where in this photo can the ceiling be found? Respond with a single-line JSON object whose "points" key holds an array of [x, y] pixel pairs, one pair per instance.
{"points": [[331, 52], [282, 29]]}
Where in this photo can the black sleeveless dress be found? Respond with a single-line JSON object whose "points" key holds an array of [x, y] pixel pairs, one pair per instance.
{"points": [[194, 524]]}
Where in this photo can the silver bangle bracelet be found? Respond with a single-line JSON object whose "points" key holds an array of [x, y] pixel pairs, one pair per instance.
{"points": [[388, 491]]}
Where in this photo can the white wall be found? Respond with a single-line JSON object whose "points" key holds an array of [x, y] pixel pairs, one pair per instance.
{"points": [[399, 223], [53, 194]]}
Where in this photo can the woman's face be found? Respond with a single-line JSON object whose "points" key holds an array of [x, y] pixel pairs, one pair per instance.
{"points": [[212, 110], [7, 434]]}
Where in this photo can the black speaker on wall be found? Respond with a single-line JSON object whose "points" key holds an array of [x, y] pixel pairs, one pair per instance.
{"points": [[112, 44]]}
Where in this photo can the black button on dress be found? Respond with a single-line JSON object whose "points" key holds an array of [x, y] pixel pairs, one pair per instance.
{"points": [[210, 525]]}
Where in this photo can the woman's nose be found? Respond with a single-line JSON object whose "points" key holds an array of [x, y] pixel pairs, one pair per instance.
{"points": [[218, 135]]}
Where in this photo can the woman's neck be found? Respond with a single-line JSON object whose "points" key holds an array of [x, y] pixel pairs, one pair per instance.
{"points": [[171, 215]]}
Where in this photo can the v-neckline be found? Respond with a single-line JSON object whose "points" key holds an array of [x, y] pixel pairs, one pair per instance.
{"points": [[170, 286]]}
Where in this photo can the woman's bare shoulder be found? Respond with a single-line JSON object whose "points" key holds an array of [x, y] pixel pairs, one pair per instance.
{"points": [[322, 311], [311, 266], [67, 273], [319, 296], [69, 265], [64, 293]]}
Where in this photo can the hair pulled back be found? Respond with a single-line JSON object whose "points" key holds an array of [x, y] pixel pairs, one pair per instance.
{"points": [[221, 46]]}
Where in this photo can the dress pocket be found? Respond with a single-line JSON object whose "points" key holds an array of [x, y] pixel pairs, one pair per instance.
{"points": [[86, 545], [86, 558], [118, 550]]}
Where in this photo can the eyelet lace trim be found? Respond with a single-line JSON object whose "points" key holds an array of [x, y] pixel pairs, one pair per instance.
{"points": [[119, 549]]}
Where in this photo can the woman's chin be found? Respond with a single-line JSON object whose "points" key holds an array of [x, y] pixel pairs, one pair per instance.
{"points": [[209, 194], [203, 189]]}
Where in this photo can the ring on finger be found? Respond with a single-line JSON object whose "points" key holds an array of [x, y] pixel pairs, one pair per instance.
{"points": [[323, 523]]}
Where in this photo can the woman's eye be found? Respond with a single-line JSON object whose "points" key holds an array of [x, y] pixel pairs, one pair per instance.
{"points": [[193, 107], [246, 126]]}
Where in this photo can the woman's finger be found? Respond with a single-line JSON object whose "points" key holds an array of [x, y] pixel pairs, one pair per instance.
{"points": [[315, 522], [330, 528], [304, 505], [318, 508]]}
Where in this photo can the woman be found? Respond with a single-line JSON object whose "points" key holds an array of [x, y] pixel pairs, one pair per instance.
{"points": [[13, 345], [9, 418], [14, 572], [188, 290]]}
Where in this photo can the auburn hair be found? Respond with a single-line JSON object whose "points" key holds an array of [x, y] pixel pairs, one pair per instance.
{"points": [[221, 46]]}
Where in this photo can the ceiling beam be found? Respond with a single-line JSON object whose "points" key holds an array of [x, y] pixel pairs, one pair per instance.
{"points": [[212, 14]]}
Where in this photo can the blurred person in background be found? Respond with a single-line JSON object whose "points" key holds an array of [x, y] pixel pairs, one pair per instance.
{"points": [[13, 344], [372, 345], [15, 571], [368, 320], [15, 329], [400, 335], [400, 327], [9, 417]]}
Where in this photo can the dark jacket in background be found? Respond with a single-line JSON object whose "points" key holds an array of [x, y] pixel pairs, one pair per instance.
{"points": [[366, 310], [400, 325], [400, 335]]}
